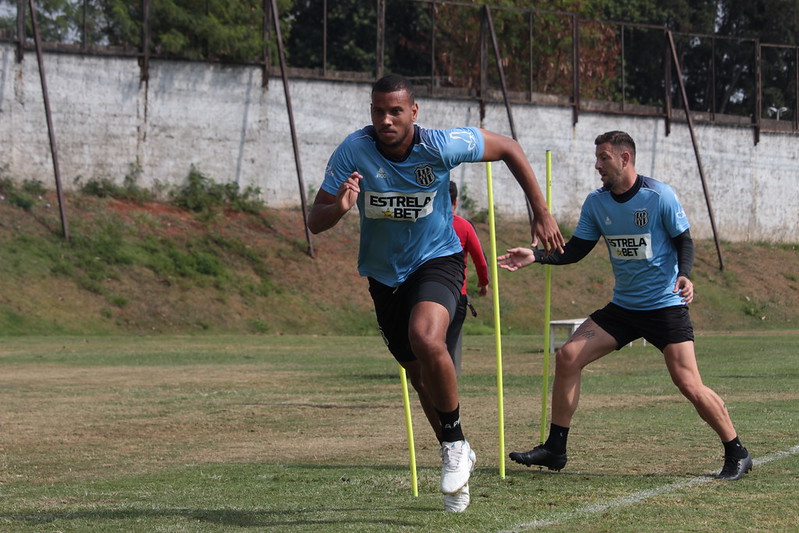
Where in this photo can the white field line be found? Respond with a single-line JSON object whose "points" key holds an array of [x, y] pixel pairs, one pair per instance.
{"points": [[636, 497]]}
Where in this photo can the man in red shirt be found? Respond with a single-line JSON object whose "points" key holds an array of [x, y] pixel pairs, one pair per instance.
{"points": [[471, 247]]}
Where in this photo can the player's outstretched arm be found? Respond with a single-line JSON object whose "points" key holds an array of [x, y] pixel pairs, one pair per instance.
{"points": [[327, 209], [516, 258], [545, 228]]}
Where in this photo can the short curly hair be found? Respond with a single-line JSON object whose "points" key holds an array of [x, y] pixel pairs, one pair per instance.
{"points": [[392, 83]]}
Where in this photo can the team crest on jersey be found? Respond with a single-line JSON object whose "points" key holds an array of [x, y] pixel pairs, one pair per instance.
{"points": [[424, 176], [641, 218]]}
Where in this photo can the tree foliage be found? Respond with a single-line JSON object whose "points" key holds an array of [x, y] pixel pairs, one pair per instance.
{"points": [[230, 30], [718, 61], [623, 58]]}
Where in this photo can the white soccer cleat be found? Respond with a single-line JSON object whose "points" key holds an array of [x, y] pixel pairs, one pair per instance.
{"points": [[458, 461], [458, 502]]}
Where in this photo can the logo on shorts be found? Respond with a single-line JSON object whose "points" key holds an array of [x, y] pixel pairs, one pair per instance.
{"points": [[641, 218], [424, 176], [382, 334]]}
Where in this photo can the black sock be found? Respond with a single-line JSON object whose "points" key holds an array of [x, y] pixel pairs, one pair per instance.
{"points": [[451, 425], [556, 443], [734, 449]]}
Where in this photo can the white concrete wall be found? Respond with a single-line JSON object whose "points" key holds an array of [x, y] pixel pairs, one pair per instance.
{"points": [[220, 119]]}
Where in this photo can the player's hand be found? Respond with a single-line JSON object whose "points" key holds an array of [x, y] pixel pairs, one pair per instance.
{"points": [[685, 288], [483, 290], [546, 231], [348, 192], [516, 258]]}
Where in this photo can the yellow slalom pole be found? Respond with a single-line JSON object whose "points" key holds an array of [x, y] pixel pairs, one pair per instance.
{"points": [[409, 428], [547, 307], [497, 331]]}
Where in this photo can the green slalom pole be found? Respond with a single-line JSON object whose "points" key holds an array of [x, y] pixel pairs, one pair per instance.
{"points": [[547, 308], [497, 331], [409, 428]]}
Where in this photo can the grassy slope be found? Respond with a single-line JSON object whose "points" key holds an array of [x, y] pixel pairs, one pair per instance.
{"points": [[154, 268]]}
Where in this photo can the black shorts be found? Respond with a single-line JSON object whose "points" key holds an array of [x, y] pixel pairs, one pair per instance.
{"points": [[660, 327], [438, 280]]}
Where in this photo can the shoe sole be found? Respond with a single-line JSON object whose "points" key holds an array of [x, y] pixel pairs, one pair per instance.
{"points": [[459, 509]]}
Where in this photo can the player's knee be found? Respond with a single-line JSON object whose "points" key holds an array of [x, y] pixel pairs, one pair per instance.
{"points": [[691, 390], [425, 345], [567, 360]]}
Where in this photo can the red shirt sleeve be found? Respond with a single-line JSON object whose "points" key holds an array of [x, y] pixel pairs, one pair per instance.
{"points": [[471, 246]]}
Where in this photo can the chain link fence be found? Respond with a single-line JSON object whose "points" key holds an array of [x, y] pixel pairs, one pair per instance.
{"points": [[548, 57]]}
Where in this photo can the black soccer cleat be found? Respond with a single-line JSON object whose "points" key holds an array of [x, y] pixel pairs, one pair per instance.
{"points": [[734, 468], [540, 456]]}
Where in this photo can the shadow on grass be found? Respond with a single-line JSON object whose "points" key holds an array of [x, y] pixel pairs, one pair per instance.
{"points": [[666, 477], [222, 517], [281, 505]]}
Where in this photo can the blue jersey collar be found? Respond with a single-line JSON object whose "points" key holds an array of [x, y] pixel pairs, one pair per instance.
{"points": [[629, 193]]}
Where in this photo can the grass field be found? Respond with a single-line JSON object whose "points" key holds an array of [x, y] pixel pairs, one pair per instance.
{"points": [[305, 433]]}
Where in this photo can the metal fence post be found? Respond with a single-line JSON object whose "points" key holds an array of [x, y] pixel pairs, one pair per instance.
{"points": [[49, 117], [295, 144], [758, 114], [576, 67], [144, 60], [381, 38], [20, 30], [692, 131]]}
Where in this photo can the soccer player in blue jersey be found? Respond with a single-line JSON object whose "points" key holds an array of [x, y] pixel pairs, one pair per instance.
{"points": [[650, 247], [397, 173]]}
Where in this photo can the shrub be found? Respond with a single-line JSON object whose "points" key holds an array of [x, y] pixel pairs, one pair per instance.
{"points": [[23, 197], [202, 194], [130, 190]]}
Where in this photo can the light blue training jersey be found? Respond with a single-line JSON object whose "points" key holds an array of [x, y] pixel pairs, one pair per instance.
{"points": [[638, 235], [405, 209]]}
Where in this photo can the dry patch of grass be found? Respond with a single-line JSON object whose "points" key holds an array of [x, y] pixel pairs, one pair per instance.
{"points": [[131, 419]]}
